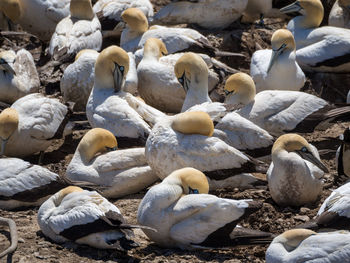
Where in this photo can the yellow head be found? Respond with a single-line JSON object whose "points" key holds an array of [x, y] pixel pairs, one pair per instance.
{"points": [[291, 239], [195, 122], [111, 67], [95, 141], [155, 47], [295, 143], [84, 51], [192, 180], [81, 9], [8, 123], [282, 39], [11, 8], [66, 191], [239, 88], [312, 10], [135, 19]]}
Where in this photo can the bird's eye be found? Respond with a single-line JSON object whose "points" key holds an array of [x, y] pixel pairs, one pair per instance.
{"points": [[304, 149], [121, 68], [228, 92], [192, 191], [111, 149], [181, 80]]}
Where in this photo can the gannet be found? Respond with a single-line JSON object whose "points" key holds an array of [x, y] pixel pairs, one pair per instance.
{"points": [[280, 111], [120, 172], [27, 12], [296, 172], [256, 9], [340, 14], [323, 49], [38, 120], [109, 11], [210, 14], [136, 33], [18, 75], [186, 216], [80, 30], [186, 140], [84, 217], [343, 155], [303, 245], [277, 69], [158, 85], [110, 107]]}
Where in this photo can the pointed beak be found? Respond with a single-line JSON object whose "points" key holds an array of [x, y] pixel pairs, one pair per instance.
{"points": [[118, 79], [7, 67], [295, 7], [312, 159], [274, 56]]}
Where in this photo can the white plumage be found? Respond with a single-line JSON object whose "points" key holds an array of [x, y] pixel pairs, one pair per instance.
{"points": [[211, 14], [340, 14], [184, 215], [84, 217], [120, 172], [81, 30], [39, 120], [23, 184], [18, 75], [301, 245], [27, 12]]}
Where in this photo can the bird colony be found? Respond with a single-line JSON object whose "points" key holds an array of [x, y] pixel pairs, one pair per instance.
{"points": [[189, 130]]}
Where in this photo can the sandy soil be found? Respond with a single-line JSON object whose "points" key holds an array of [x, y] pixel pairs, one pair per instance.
{"points": [[34, 247]]}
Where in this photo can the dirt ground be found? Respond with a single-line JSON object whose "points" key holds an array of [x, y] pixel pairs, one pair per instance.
{"points": [[243, 38]]}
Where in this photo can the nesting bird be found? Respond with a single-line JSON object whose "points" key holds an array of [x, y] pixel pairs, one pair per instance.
{"points": [[186, 216], [110, 107], [277, 69], [343, 155], [32, 121], [185, 140], [256, 9], [27, 12], [319, 49], [279, 111], [18, 75], [303, 245], [85, 217], [296, 172], [209, 14], [119, 172], [340, 14], [80, 30]]}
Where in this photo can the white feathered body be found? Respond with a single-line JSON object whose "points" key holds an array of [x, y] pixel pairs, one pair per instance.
{"points": [[39, 119], [18, 177], [76, 35], [121, 172], [285, 73], [26, 80], [209, 14]]}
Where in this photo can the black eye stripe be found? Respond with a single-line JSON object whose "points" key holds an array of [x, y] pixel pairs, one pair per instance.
{"points": [[281, 47]]}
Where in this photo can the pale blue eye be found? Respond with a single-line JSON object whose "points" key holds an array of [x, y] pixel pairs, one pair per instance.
{"points": [[121, 68], [181, 80], [304, 149]]}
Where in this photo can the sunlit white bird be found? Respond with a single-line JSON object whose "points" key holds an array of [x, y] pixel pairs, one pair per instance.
{"points": [[186, 216], [185, 140], [211, 14], [119, 172], [18, 75], [109, 11], [80, 30], [303, 245], [319, 49], [78, 78], [340, 14], [85, 217], [281, 111], [277, 69], [110, 107], [27, 12], [158, 85], [136, 33], [38, 120], [296, 172]]}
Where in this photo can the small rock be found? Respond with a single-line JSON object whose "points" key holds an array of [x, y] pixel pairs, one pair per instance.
{"points": [[21, 240], [302, 218], [304, 210], [37, 255]]}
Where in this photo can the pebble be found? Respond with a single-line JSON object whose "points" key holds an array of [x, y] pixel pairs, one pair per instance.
{"points": [[304, 210], [21, 240], [302, 218]]}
